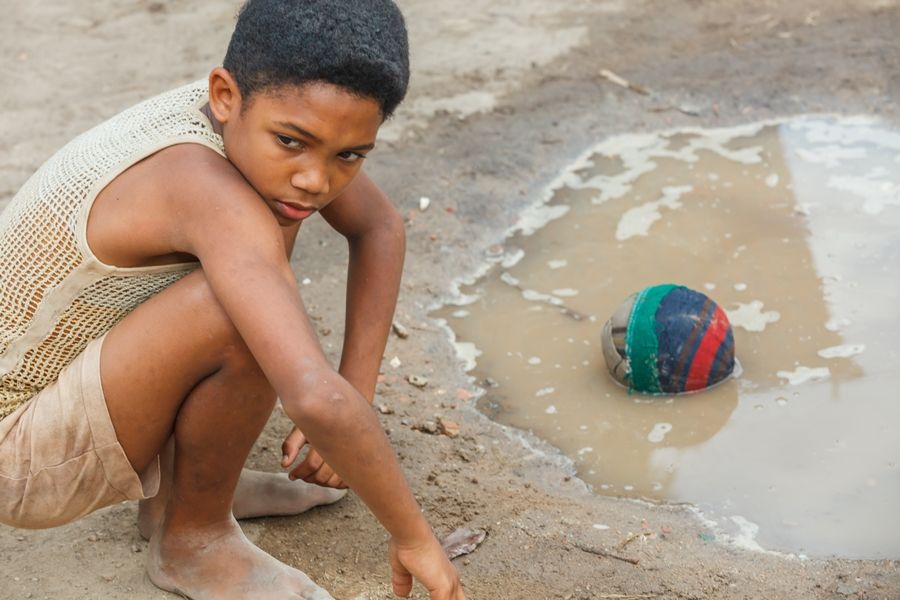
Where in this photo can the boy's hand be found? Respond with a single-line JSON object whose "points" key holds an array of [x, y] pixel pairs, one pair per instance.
{"points": [[313, 469], [429, 564]]}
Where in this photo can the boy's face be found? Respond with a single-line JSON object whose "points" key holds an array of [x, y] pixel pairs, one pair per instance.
{"points": [[298, 147]]}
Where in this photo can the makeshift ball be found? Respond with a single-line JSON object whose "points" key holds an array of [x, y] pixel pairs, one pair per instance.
{"points": [[668, 339]]}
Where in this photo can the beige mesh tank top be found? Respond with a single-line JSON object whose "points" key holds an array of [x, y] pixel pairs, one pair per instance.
{"points": [[55, 295]]}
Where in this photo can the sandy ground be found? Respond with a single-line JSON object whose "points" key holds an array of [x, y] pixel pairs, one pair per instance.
{"points": [[505, 94]]}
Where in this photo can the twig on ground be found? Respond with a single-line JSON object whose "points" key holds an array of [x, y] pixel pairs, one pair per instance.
{"points": [[621, 81], [605, 554]]}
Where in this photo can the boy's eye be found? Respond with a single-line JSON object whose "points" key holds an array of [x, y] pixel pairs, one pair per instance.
{"points": [[288, 142], [351, 156]]}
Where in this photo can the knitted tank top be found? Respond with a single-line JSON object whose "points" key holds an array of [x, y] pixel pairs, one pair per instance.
{"points": [[55, 295]]}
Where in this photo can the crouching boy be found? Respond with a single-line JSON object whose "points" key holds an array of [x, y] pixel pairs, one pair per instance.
{"points": [[149, 316]]}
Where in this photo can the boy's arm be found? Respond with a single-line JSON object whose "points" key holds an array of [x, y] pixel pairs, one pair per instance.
{"points": [[214, 215], [376, 237]]}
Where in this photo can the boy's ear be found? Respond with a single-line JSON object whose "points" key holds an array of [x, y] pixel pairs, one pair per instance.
{"points": [[224, 95]]}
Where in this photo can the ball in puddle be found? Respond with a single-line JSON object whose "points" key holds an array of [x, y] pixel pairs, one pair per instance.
{"points": [[668, 339]]}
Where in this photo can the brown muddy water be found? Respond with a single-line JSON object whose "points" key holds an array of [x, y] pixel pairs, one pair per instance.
{"points": [[794, 228]]}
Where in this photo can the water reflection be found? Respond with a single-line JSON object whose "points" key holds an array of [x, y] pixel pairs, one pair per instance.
{"points": [[795, 229]]}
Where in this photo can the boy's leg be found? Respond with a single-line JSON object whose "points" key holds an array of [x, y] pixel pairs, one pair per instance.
{"points": [[176, 367], [258, 494]]}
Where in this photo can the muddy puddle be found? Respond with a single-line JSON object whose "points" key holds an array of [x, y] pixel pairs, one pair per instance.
{"points": [[794, 229]]}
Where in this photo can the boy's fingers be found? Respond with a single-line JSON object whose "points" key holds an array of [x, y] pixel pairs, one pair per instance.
{"points": [[308, 467], [401, 580], [291, 446], [323, 476]]}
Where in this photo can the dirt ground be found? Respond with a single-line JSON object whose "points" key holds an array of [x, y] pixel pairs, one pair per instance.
{"points": [[505, 94]]}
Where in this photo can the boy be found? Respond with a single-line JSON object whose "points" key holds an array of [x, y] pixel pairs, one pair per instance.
{"points": [[149, 316]]}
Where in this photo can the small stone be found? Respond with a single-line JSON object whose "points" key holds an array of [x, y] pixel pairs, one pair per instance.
{"points": [[399, 330], [417, 380], [325, 331], [424, 203], [384, 409], [93, 537], [395, 362], [448, 427], [466, 561], [135, 548], [489, 382], [462, 541], [429, 427]]}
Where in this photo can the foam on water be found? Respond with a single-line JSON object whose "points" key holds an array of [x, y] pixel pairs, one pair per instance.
{"points": [[803, 374], [751, 316], [843, 351], [638, 220]]}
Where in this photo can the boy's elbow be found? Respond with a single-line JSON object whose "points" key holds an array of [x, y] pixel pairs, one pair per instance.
{"points": [[389, 222], [316, 404], [396, 227]]}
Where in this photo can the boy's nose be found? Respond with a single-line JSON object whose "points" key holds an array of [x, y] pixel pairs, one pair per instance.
{"points": [[312, 180]]}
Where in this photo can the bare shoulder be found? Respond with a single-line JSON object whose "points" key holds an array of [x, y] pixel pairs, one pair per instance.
{"points": [[162, 209]]}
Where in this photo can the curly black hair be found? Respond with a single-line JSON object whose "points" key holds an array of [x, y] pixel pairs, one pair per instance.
{"points": [[358, 45]]}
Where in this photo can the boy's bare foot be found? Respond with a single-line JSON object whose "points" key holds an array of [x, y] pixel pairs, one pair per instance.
{"points": [[217, 562], [261, 494], [258, 494]]}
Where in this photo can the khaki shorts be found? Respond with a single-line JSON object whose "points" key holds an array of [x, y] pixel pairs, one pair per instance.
{"points": [[59, 457]]}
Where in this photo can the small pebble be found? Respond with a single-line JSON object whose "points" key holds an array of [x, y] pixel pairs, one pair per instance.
{"points": [[429, 427], [448, 427], [399, 330], [417, 380]]}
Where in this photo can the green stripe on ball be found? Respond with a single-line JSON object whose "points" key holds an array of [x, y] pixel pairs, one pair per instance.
{"points": [[641, 343]]}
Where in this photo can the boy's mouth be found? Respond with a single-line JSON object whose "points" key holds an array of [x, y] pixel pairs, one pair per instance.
{"points": [[294, 212]]}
